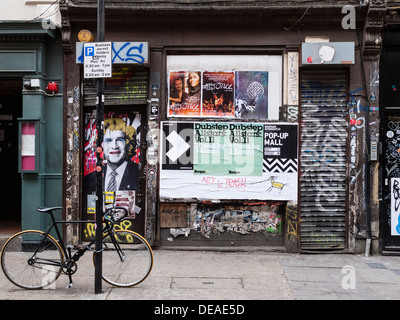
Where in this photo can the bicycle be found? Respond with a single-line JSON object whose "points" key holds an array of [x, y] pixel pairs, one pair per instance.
{"points": [[34, 259]]}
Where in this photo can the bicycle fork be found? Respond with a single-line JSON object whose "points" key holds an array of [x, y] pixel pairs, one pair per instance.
{"points": [[121, 254]]}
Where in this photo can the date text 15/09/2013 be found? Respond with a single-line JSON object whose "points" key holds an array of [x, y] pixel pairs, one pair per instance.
{"points": [[202, 309]]}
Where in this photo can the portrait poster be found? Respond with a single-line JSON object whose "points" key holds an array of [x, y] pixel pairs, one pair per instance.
{"points": [[184, 94], [120, 153], [251, 93], [218, 94]]}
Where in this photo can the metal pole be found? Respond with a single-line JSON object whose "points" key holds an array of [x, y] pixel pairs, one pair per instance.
{"points": [[99, 187]]}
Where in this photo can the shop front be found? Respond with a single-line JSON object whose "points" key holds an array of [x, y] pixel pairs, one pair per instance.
{"points": [[30, 122], [227, 165], [238, 126]]}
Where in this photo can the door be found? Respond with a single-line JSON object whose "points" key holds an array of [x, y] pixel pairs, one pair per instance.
{"points": [[10, 111], [390, 220], [389, 88], [124, 180], [323, 191]]}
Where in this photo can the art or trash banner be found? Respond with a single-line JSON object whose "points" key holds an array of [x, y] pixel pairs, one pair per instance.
{"points": [[228, 160]]}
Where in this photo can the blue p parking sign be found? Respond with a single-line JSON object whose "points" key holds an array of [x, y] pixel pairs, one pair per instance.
{"points": [[97, 62], [89, 51]]}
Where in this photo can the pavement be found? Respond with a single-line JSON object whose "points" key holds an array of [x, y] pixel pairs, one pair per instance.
{"points": [[253, 275]]}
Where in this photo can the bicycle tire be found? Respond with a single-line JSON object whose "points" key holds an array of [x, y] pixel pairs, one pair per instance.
{"points": [[26, 271], [136, 264]]}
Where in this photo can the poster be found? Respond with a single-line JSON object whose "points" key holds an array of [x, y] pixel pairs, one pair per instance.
{"points": [[184, 93], [395, 206], [121, 154], [228, 160], [251, 91], [178, 145], [265, 71], [222, 148], [218, 94], [279, 156]]}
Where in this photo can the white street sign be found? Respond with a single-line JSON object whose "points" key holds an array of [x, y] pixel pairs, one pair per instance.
{"points": [[97, 60]]}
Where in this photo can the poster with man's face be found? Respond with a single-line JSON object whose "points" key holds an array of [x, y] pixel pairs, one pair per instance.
{"points": [[121, 160]]}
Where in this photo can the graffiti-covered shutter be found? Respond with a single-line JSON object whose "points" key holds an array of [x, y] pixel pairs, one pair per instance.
{"points": [[128, 86], [323, 160]]}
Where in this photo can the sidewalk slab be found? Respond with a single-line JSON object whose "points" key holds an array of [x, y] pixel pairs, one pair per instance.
{"points": [[253, 275]]}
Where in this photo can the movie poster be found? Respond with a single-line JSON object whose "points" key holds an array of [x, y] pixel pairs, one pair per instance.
{"points": [[184, 98], [251, 91], [218, 94]]}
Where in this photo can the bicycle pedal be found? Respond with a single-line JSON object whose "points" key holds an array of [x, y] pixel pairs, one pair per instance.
{"points": [[70, 285]]}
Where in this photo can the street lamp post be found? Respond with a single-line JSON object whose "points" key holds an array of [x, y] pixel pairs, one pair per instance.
{"points": [[99, 186]]}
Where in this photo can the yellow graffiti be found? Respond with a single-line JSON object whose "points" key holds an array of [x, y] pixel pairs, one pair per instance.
{"points": [[90, 230], [291, 222], [124, 225]]}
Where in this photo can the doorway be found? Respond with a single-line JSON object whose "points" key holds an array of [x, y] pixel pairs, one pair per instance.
{"points": [[323, 160], [10, 189], [390, 219], [389, 84]]}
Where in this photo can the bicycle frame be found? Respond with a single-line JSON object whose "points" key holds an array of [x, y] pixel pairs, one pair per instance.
{"points": [[70, 260]]}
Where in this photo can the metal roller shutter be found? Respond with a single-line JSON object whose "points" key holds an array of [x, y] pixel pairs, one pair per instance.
{"points": [[128, 86], [323, 191]]}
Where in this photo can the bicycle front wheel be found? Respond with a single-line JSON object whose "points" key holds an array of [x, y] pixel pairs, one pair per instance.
{"points": [[127, 258], [32, 260]]}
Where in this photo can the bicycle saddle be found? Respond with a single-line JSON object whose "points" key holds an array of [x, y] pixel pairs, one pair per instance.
{"points": [[48, 209]]}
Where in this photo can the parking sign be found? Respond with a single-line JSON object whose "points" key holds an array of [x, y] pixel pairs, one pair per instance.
{"points": [[89, 51], [97, 60]]}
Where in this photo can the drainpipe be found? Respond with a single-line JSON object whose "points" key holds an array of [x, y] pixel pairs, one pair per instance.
{"points": [[366, 152]]}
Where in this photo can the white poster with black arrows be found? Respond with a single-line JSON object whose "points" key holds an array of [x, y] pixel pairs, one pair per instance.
{"points": [[228, 160]]}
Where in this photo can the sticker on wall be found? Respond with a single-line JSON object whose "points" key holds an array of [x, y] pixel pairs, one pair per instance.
{"points": [[237, 219]]}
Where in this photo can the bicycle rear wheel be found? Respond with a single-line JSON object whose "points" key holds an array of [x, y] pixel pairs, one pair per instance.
{"points": [[127, 258], [32, 260]]}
